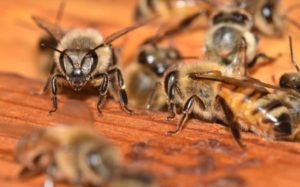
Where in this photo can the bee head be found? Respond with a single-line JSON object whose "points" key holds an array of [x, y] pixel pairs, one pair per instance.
{"points": [[78, 65], [291, 81], [158, 59]]}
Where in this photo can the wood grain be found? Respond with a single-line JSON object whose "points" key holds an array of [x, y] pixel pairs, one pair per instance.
{"points": [[202, 155]]}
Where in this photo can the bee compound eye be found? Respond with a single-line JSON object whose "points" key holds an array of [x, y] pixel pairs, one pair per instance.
{"points": [[142, 57], [267, 12]]}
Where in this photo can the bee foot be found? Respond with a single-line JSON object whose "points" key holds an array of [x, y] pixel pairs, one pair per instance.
{"points": [[172, 133]]}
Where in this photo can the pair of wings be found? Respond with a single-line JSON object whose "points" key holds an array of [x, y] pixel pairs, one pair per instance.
{"points": [[247, 82]]}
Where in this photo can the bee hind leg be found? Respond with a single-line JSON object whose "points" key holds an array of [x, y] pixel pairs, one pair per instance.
{"points": [[187, 109], [234, 125]]}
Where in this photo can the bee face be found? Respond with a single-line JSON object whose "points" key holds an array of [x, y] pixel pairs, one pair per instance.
{"points": [[157, 59], [290, 80], [78, 66]]}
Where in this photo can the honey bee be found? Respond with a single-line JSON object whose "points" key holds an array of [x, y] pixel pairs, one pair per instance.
{"points": [[268, 15], [76, 155], [84, 58], [72, 154], [142, 77], [229, 26], [202, 89]]}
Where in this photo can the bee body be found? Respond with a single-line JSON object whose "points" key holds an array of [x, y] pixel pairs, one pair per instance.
{"points": [[254, 110]]}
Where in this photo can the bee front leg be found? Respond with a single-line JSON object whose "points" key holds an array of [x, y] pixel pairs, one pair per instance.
{"points": [[172, 106], [103, 92], [54, 91], [122, 92], [47, 84], [234, 125], [187, 109]]}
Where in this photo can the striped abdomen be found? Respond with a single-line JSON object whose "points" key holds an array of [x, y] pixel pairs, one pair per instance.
{"points": [[168, 10], [260, 112], [145, 9]]}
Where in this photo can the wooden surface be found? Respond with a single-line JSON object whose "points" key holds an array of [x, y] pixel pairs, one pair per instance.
{"points": [[202, 155]]}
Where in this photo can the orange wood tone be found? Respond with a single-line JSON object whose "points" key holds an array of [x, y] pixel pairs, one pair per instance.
{"points": [[202, 155]]}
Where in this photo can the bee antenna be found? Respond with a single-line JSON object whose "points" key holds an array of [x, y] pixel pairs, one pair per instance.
{"points": [[51, 47], [292, 54], [42, 26], [60, 12]]}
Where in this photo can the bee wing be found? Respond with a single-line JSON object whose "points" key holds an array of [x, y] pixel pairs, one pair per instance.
{"points": [[126, 30], [245, 82], [74, 112], [53, 30]]}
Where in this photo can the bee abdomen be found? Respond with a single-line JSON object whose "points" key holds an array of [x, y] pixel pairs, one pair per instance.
{"points": [[261, 112], [145, 9], [277, 114]]}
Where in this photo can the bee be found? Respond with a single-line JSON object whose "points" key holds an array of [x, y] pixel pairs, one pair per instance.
{"points": [[72, 154], [167, 9], [228, 27], [142, 77], [202, 89], [268, 16], [76, 155], [84, 58]]}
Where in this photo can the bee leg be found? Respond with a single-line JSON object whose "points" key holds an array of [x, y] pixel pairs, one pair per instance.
{"points": [[103, 92], [54, 91], [172, 106], [122, 92], [47, 84], [234, 126], [258, 57], [187, 109]]}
